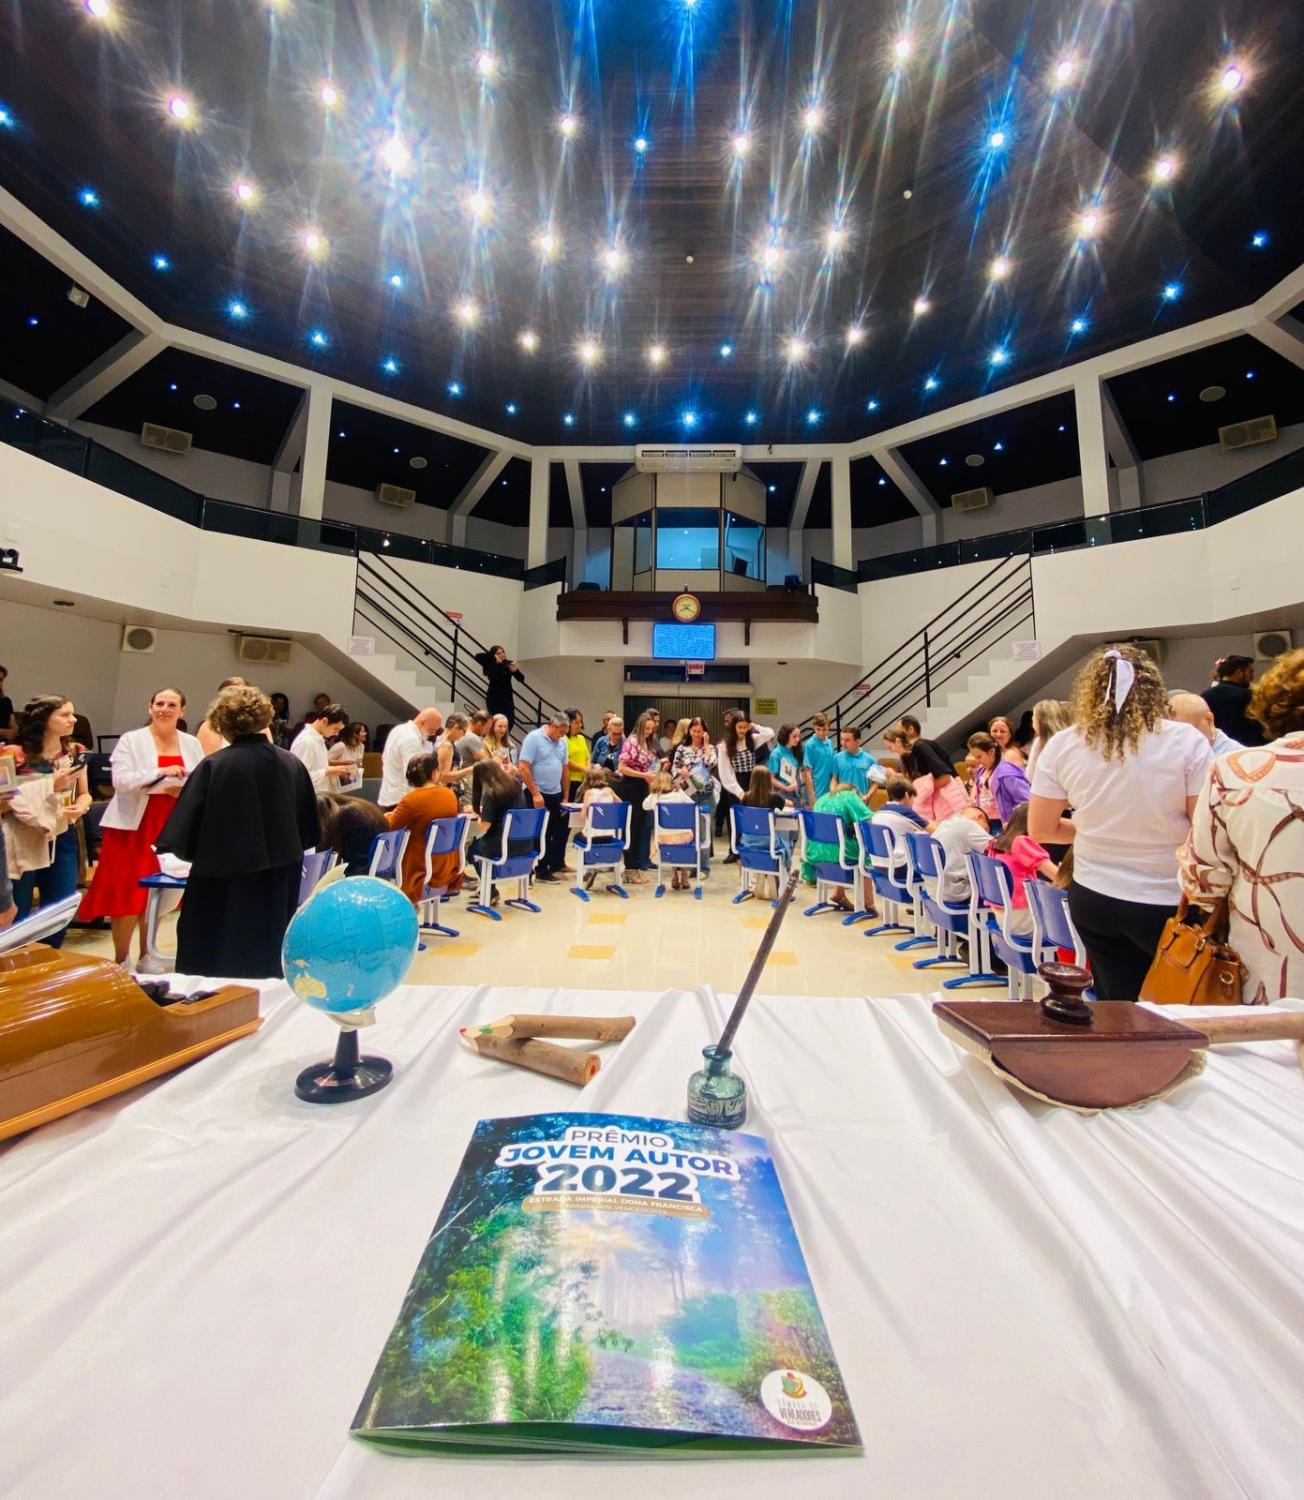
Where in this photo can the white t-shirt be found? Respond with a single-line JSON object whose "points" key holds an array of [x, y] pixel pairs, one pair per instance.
{"points": [[958, 837], [401, 744], [1130, 814], [310, 747]]}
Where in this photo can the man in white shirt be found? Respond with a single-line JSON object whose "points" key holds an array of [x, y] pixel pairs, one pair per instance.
{"points": [[404, 741], [310, 745]]}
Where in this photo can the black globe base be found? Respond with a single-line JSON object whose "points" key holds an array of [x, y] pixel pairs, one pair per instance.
{"points": [[346, 1076]]}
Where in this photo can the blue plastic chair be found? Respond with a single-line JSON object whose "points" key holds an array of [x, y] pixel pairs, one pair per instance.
{"points": [[831, 875], [908, 876], [993, 886], [757, 822], [950, 921], [444, 836], [1052, 926], [387, 855], [886, 868], [158, 886], [520, 824], [678, 817], [316, 863], [601, 844]]}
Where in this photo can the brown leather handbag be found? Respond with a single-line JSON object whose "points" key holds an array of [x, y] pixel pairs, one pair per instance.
{"points": [[1194, 965]]}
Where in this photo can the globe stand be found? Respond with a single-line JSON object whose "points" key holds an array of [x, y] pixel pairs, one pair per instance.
{"points": [[346, 1076]]}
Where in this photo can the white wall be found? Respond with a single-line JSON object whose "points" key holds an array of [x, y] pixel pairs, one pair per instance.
{"points": [[211, 474]]}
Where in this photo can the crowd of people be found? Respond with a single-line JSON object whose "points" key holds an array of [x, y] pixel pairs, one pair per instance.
{"points": [[1128, 795]]}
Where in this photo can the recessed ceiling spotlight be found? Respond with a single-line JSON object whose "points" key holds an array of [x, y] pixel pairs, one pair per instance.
{"points": [[161, 263], [568, 419], [614, 259], [528, 340], [750, 418], [467, 312], [770, 256], [903, 47], [1078, 325], [314, 243], [998, 357], [812, 417], [835, 237], [317, 338], [180, 108], [796, 349], [998, 447], [569, 125], [395, 451], [812, 119], [871, 404], [589, 352], [395, 155], [999, 269], [1249, 374], [479, 204], [486, 64], [726, 350], [656, 355], [1259, 239], [454, 387], [6, 119], [996, 139], [237, 310], [641, 144], [1064, 70], [329, 94], [245, 192], [742, 143], [920, 306], [100, 9], [1172, 290], [88, 198], [855, 335], [932, 383], [1231, 79], [396, 280], [1164, 169], [882, 479], [630, 419], [943, 462], [688, 418], [1088, 224], [1061, 428], [548, 243], [1172, 395], [390, 365], [510, 409]]}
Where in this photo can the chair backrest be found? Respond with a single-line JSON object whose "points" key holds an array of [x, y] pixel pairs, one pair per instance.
{"points": [[926, 856], [824, 828], [607, 817], [753, 822], [1050, 916], [525, 823], [387, 854], [316, 862], [678, 816], [991, 880], [445, 835]]}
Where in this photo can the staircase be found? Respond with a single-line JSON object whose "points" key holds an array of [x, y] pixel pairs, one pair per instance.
{"points": [[954, 664]]}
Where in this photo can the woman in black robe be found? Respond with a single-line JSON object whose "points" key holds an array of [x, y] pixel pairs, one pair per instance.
{"points": [[243, 820], [500, 697]]}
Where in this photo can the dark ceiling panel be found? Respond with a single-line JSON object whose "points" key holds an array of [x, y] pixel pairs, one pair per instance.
{"points": [[249, 420], [780, 481], [875, 500], [507, 500], [362, 453], [597, 480], [1162, 409], [820, 514], [44, 338], [1028, 446], [87, 108]]}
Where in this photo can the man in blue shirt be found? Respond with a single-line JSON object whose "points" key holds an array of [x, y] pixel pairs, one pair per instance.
{"points": [[542, 764], [819, 751], [852, 765]]}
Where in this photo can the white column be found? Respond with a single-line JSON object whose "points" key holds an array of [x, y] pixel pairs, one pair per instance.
{"points": [[843, 556], [536, 546], [312, 470], [1093, 455]]}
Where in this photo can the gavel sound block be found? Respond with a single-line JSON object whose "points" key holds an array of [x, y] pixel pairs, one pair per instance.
{"points": [[75, 1030], [1128, 1053]]}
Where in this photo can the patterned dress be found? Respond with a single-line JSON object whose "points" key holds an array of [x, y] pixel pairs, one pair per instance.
{"points": [[1247, 843]]}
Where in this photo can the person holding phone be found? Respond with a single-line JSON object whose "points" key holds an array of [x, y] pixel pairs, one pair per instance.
{"points": [[46, 746], [149, 767]]}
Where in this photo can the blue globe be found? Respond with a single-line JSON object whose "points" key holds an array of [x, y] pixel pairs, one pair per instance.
{"points": [[349, 945]]}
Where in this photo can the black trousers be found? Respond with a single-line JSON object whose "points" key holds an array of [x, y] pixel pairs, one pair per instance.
{"points": [[1120, 938], [727, 800], [554, 847]]}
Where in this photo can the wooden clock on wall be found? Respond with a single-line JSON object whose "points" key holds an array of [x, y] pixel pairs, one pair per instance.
{"points": [[686, 608]]}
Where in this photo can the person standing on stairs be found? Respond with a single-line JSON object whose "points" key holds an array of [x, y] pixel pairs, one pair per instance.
{"points": [[500, 697]]}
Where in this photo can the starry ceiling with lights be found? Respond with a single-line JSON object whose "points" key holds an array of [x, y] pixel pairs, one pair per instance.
{"points": [[602, 221]]}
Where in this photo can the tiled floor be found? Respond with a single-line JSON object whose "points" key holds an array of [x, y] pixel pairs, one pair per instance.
{"points": [[650, 943]]}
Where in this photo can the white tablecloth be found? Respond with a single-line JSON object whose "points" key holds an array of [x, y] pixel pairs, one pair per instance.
{"points": [[196, 1280]]}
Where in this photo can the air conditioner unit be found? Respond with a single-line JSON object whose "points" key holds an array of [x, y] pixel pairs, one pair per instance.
{"points": [[1248, 434], [688, 458], [396, 495], [138, 639], [1270, 644], [972, 499], [1155, 649], [268, 650], [165, 439]]}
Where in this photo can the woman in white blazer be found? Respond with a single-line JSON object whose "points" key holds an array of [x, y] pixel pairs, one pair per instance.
{"points": [[150, 767]]}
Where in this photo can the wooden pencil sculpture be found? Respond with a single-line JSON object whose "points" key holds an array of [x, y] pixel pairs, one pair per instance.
{"points": [[518, 1040]]}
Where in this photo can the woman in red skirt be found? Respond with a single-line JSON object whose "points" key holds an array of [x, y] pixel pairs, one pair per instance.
{"points": [[149, 768]]}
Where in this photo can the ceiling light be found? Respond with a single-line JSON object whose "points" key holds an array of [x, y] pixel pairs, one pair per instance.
{"points": [[812, 118], [100, 9], [467, 312], [589, 352], [1164, 170], [179, 108], [855, 335], [454, 387], [996, 139], [796, 349], [920, 306], [726, 350], [640, 144], [750, 418], [999, 269], [314, 244], [1065, 68], [835, 236], [394, 154], [742, 143], [812, 417], [903, 47], [479, 204], [396, 280], [614, 259], [1078, 325], [998, 357], [1172, 291], [569, 419], [328, 94], [773, 488], [245, 192], [568, 125], [547, 243], [172, 386], [1259, 239], [395, 451], [1061, 428], [528, 340], [318, 339], [932, 383], [630, 419], [943, 462], [688, 418], [389, 365], [341, 434], [237, 310], [1088, 224], [1231, 80], [1172, 395], [656, 355], [882, 479], [6, 119], [871, 405], [88, 198], [486, 64], [998, 447], [161, 263], [770, 257], [510, 409], [1249, 374]]}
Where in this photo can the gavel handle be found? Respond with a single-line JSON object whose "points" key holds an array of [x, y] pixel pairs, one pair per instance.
{"points": [[1281, 1027]]}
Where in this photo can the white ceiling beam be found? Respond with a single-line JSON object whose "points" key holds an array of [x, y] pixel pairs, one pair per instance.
{"points": [[22, 398], [1279, 299], [132, 352], [805, 489], [1284, 336], [907, 481], [473, 491], [1118, 440], [575, 493], [290, 450]]}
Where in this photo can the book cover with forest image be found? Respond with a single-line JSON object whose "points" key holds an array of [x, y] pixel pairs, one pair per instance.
{"points": [[610, 1281]]}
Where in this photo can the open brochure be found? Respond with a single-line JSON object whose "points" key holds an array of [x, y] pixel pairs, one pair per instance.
{"points": [[608, 1281]]}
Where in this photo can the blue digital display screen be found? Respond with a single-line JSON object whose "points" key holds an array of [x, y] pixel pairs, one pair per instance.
{"points": [[683, 642]]}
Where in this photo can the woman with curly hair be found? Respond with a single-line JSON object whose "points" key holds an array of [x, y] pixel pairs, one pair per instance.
{"points": [[1132, 778], [242, 821], [1247, 839]]}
